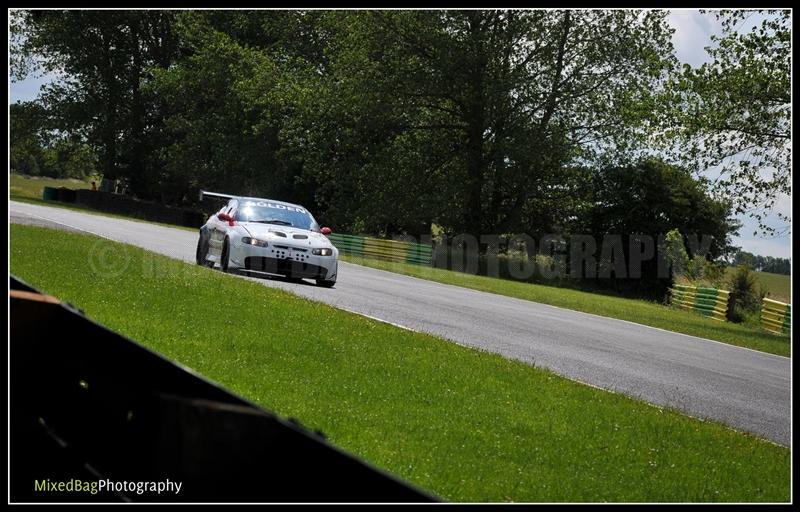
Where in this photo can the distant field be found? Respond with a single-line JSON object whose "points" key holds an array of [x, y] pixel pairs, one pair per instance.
{"points": [[777, 286], [33, 186]]}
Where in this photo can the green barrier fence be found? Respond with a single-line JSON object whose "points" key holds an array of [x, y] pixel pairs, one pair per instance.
{"points": [[393, 250], [776, 317], [709, 302]]}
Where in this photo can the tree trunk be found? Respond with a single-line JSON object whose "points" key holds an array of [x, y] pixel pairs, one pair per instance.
{"points": [[108, 134], [476, 123]]}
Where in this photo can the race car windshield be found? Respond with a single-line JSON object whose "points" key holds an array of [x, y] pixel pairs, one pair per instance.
{"points": [[275, 213]]}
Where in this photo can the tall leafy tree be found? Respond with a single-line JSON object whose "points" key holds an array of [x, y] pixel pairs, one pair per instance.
{"points": [[483, 108], [652, 198], [223, 105], [733, 114], [26, 139], [37, 149], [103, 58]]}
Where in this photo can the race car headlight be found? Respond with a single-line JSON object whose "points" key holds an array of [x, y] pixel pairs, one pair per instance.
{"points": [[322, 252], [254, 241]]}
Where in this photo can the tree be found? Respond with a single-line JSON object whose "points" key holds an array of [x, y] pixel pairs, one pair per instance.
{"points": [[744, 258], [746, 293], [676, 253], [222, 105], [26, 137], [652, 197], [763, 263], [655, 199], [734, 113], [71, 159], [468, 118], [104, 58]]}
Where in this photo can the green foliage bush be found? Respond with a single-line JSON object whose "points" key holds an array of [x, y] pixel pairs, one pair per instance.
{"points": [[676, 253], [747, 294], [714, 273]]}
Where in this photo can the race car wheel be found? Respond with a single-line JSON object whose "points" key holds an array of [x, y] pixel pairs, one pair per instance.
{"points": [[223, 260], [325, 284], [202, 252]]}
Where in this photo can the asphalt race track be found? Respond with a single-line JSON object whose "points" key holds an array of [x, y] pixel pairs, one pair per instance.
{"points": [[746, 389]]}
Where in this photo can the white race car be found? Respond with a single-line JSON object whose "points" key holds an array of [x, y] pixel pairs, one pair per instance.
{"points": [[264, 236]]}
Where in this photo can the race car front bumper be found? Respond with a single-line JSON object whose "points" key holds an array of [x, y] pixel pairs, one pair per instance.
{"points": [[284, 260], [285, 267]]}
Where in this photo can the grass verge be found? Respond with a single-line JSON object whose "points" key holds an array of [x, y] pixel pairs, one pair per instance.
{"points": [[464, 424], [633, 310]]}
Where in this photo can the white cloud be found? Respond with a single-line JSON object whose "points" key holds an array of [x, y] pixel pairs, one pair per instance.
{"points": [[693, 32], [783, 205]]}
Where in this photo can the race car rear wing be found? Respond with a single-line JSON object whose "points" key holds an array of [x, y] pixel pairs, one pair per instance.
{"points": [[215, 194]]}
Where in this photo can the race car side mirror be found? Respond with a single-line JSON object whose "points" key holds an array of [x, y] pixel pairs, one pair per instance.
{"points": [[325, 231], [225, 217]]}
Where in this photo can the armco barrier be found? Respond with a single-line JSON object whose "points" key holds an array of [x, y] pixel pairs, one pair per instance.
{"points": [[776, 317], [146, 210], [710, 302], [392, 250], [87, 404], [63, 194], [50, 194]]}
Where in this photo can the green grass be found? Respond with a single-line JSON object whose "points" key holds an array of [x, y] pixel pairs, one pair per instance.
{"points": [[464, 424], [633, 310], [777, 286], [33, 186]]}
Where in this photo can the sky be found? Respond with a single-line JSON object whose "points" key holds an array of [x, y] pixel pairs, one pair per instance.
{"points": [[693, 31]]}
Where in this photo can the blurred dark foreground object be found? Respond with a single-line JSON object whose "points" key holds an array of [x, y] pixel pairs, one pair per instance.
{"points": [[88, 405]]}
